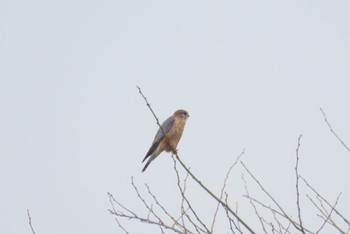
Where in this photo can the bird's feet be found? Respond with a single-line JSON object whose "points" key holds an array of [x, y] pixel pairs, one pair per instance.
{"points": [[174, 151]]}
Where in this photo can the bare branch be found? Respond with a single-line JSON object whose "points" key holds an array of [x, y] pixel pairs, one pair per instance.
{"points": [[273, 199], [324, 214], [330, 205], [265, 206], [279, 224], [253, 205], [150, 209], [161, 229], [231, 220], [188, 203], [297, 185], [112, 200], [134, 216], [331, 129], [30, 221], [267, 193], [214, 196], [274, 213], [150, 108], [162, 207], [223, 189], [121, 226], [329, 215]]}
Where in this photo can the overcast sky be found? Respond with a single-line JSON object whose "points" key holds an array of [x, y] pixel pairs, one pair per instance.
{"points": [[251, 74]]}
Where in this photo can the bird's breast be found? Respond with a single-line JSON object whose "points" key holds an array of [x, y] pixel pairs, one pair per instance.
{"points": [[176, 131]]}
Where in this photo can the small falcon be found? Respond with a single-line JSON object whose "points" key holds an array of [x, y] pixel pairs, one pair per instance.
{"points": [[167, 137]]}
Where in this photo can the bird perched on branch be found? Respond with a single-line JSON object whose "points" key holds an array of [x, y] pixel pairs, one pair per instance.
{"points": [[168, 136]]}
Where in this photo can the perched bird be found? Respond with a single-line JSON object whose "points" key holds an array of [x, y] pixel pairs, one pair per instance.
{"points": [[168, 136]]}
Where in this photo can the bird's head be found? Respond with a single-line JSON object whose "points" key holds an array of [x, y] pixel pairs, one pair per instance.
{"points": [[182, 113]]}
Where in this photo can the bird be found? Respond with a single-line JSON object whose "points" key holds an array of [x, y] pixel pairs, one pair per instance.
{"points": [[167, 137]]}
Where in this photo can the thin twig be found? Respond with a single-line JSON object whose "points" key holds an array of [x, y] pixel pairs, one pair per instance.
{"points": [[329, 215], [324, 213], [328, 218], [214, 196], [229, 218], [182, 191], [253, 205], [296, 225], [268, 207], [134, 216], [144, 202], [330, 205], [223, 189], [268, 194], [279, 224], [150, 108], [121, 226], [331, 129], [162, 207], [189, 208], [189, 204], [149, 221], [297, 185], [30, 221], [113, 200]]}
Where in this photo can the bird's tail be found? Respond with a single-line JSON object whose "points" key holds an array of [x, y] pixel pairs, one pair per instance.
{"points": [[148, 162], [151, 150], [151, 155]]}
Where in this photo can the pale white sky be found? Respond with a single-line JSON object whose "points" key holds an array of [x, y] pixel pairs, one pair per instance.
{"points": [[252, 74]]}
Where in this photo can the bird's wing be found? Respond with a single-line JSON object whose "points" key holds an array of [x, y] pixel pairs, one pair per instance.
{"points": [[165, 127]]}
